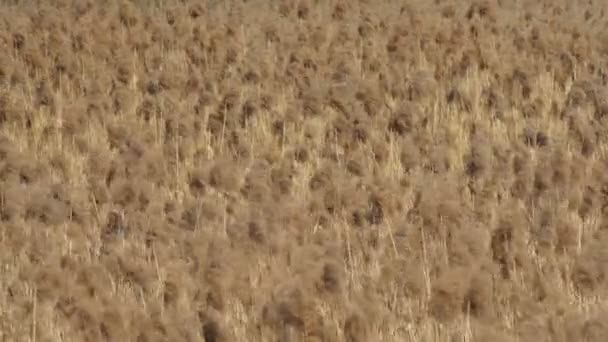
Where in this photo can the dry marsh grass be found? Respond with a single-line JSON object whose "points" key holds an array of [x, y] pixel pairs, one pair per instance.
{"points": [[303, 170]]}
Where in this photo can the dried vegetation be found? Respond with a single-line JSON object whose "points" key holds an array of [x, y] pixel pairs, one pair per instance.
{"points": [[304, 170]]}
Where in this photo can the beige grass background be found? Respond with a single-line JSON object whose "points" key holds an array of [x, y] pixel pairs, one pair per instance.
{"points": [[303, 170]]}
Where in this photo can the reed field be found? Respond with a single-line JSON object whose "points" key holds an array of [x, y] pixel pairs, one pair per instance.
{"points": [[290, 171]]}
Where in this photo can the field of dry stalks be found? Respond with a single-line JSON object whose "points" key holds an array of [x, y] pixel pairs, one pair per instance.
{"points": [[304, 170]]}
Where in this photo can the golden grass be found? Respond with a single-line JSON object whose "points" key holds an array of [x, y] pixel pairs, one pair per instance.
{"points": [[303, 170]]}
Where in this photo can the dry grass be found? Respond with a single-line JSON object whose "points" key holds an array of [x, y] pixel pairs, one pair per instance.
{"points": [[304, 170]]}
